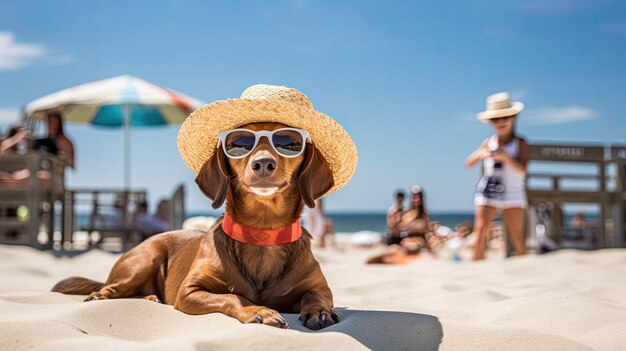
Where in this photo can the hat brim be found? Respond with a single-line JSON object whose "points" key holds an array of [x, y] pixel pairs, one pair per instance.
{"points": [[516, 108], [198, 136]]}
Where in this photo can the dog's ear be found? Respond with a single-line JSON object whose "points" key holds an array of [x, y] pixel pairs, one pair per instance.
{"points": [[316, 178], [213, 178]]}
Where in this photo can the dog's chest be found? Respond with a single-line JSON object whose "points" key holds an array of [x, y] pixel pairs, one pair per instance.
{"points": [[261, 269], [262, 263]]}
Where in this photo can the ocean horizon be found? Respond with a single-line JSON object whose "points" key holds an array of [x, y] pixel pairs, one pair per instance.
{"points": [[376, 221], [351, 222]]}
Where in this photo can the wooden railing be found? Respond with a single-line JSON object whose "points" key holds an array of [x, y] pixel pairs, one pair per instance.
{"points": [[111, 214], [30, 185], [596, 190], [32, 202]]}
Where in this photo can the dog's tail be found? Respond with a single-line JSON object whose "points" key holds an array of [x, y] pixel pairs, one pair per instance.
{"points": [[77, 286]]}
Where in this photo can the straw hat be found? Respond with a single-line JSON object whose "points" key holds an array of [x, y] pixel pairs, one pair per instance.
{"points": [[198, 136], [499, 105]]}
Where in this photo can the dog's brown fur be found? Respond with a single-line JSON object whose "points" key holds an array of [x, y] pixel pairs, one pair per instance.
{"points": [[209, 272]]}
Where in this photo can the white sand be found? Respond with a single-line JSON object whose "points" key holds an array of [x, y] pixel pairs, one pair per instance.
{"points": [[568, 300]]}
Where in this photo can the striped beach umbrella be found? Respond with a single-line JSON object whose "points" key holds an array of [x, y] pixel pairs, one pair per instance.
{"points": [[123, 101], [103, 103]]}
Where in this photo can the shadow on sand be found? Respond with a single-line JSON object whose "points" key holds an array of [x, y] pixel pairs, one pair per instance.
{"points": [[383, 330]]}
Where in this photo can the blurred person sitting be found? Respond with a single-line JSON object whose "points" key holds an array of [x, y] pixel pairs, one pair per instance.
{"points": [[409, 250], [415, 219], [413, 242], [394, 218], [147, 224]]}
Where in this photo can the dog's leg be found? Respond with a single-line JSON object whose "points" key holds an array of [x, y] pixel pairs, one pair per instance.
{"points": [[132, 272], [153, 298], [193, 300], [316, 311]]}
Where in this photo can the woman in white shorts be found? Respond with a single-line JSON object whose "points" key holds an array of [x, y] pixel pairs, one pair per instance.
{"points": [[501, 187]]}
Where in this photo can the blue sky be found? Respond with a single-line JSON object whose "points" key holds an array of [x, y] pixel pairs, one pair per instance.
{"points": [[405, 78]]}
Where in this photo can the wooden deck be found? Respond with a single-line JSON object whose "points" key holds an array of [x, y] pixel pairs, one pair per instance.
{"points": [[606, 188], [39, 211]]}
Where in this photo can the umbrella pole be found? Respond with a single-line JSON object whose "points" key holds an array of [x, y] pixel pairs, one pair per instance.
{"points": [[127, 146]]}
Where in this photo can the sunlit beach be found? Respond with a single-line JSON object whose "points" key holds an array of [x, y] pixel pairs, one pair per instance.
{"points": [[302, 175]]}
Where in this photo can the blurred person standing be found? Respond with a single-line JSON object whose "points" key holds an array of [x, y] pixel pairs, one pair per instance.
{"points": [[501, 187], [319, 226]]}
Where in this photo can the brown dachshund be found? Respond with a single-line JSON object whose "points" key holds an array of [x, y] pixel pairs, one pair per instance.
{"points": [[205, 272]]}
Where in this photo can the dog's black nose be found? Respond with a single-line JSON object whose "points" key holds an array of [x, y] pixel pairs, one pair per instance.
{"points": [[264, 166]]}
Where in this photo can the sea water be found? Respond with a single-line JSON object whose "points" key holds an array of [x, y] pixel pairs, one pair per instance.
{"points": [[356, 222]]}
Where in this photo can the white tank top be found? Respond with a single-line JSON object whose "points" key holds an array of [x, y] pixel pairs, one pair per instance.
{"points": [[513, 179]]}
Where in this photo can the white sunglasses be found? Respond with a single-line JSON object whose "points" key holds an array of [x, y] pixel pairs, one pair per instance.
{"points": [[287, 142]]}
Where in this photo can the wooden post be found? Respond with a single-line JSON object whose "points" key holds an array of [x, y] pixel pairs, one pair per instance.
{"points": [[68, 218], [555, 183], [33, 201], [618, 222], [589, 154], [604, 205]]}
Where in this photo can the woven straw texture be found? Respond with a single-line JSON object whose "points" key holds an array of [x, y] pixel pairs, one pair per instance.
{"points": [[499, 105], [197, 137]]}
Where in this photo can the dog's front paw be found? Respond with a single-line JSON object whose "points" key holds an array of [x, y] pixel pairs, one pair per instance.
{"points": [[318, 318], [152, 298], [95, 296], [263, 315]]}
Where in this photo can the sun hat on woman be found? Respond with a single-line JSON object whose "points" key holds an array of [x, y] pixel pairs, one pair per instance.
{"points": [[499, 105], [198, 136]]}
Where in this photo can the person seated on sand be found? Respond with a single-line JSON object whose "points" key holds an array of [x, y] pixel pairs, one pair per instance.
{"points": [[415, 220], [437, 235], [394, 218], [451, 241], [147, 224], [463, 229], [416, 240], [409, 250]]}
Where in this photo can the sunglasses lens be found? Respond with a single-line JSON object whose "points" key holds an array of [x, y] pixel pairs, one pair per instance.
{"points": [[288, 142], [239, 143]]}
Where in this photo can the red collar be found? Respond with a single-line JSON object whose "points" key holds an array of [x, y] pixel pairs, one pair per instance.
{"points": [[261, 237]]}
